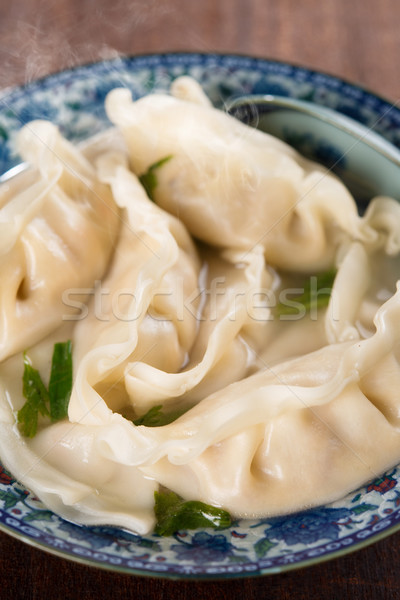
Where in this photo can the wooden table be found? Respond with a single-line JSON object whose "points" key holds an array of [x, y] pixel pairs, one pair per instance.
{"points": [[357, 40]]}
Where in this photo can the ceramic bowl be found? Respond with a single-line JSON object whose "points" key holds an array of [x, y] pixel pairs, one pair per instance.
{"points": [[366, 162], [74, 100]]}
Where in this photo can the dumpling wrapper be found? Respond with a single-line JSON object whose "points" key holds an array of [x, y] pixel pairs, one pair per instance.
{"points": [[301, 434], [62, 464], [234, 186], [169, 344], [58, 227], [367, 274]]}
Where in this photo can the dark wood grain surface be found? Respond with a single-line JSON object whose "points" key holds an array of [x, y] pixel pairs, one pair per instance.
{"points": [[358, 40]]}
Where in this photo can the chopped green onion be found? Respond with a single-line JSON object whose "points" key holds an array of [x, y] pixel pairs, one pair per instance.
{"points": [[316, 294], [60, 384], [174, 514], [52, 402], [156, 418], [37, 400], [149, 179]]}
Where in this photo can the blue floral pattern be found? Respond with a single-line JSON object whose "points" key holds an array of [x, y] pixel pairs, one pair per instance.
{"points": [[309, 527], [74, 99], [204, 547]]}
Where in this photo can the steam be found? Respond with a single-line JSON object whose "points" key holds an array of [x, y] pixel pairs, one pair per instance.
{"points": [[48, 38]]}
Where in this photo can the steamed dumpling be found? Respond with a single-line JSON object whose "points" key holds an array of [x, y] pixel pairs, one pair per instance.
{"points": [[58, 228], [300, 434], [155, 266], [171, 341], [367, 274], [62, 464], [234, 186]]}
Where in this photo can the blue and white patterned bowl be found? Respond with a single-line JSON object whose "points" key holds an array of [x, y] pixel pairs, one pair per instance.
{"points": [[74, 100]]}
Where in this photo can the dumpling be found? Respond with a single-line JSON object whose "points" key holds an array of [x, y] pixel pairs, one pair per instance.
{"points": [[58, 228], [155, 265], [234, 186], [62, 464], [301, 434], [173, 339], [367, 275]]}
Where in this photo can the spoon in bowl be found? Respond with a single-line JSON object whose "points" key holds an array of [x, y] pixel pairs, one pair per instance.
{"points": [[367, 164], [13, 172]]}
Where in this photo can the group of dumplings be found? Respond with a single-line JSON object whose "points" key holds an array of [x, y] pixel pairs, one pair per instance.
{"points": [[168, 302]]}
